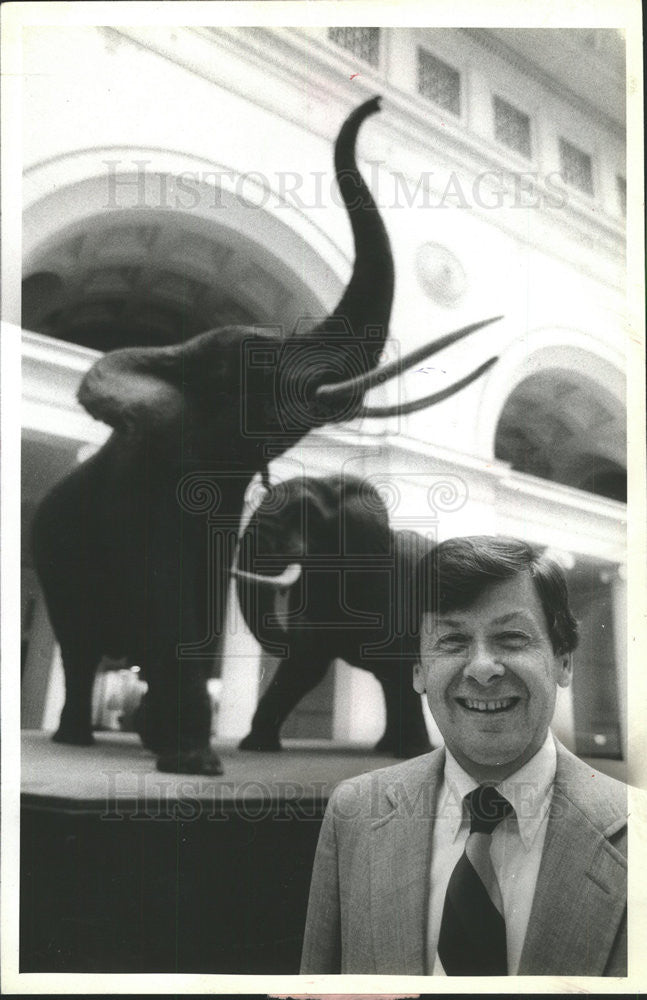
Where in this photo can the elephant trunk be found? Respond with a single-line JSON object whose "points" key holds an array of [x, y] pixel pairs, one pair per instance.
{"points": [[364, 309]]}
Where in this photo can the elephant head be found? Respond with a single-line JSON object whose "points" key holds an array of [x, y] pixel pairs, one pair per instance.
{"points": [[315, 561], [184, 397]]}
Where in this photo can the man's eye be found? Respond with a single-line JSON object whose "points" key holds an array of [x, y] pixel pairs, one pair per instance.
{"points": [[513, 640], [450, 643]]}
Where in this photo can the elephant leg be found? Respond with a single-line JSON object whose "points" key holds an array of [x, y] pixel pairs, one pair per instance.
{"points": [[405, 734], [293, 679], [176, 719], [175, 722], [142, 724], [70, 596], [79, 665]]}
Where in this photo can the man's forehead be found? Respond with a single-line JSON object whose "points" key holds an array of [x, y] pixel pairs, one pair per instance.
{"points": [[460, 617], [499, 603]]}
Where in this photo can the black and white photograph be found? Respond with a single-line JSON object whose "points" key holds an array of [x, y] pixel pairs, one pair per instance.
{"points": [[323, 498]]}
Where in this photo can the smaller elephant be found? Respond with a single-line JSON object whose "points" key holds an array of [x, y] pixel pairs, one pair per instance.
{"points": [[320, 575]]}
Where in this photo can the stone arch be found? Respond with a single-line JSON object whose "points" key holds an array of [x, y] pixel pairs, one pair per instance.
{"points": [[560, 425], [555, 407], [150, 253]]}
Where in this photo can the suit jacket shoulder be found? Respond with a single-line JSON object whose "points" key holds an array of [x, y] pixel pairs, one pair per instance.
{"points": [[577, 924], [387, 787], [603, 800]]}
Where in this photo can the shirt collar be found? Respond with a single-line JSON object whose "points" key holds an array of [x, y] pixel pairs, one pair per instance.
{"points": [[528, 790]]}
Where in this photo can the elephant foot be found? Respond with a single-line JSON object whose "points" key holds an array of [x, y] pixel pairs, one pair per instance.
{"points": [[261, 744], [73, 736], [201, 761]]}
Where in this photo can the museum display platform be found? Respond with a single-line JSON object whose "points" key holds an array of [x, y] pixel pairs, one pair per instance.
{"points": [[125, 869]]}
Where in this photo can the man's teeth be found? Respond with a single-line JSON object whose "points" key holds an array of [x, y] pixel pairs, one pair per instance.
{"points": [[488, 706]]}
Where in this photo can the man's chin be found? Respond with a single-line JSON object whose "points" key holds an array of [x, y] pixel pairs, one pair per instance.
{"points": [[495, 763]]}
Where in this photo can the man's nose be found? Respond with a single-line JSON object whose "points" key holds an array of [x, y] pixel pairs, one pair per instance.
{"points": [[482, 666]]}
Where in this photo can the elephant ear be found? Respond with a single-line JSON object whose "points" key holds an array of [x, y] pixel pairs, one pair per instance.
{"points": [[134, 390]]}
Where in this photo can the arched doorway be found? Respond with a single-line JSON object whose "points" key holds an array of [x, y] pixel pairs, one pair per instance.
{"points": [[126, 279], [561, 426]]}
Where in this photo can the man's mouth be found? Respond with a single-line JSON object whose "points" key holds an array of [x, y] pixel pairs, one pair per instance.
{"points": [[491, 705]]}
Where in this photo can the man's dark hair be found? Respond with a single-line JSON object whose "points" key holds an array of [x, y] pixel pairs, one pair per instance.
{"points": [[455, 573]]}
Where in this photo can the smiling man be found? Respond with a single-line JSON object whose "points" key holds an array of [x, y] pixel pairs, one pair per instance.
{"points": [[500, 853]]}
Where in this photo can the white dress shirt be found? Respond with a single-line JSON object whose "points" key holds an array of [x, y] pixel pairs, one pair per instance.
{"points": [[517, 845]]}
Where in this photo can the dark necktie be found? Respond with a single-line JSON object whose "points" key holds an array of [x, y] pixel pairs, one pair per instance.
{"points": [[472, 939]]}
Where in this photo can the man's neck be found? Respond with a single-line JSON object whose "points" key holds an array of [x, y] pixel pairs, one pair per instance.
{"points": [[494, 774]]}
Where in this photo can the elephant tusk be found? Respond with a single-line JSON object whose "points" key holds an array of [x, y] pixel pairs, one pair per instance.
{"points": [[288, 577], [399, 409], [380, 375]]}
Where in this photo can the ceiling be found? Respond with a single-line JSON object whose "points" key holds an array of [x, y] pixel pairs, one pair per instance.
{"points": [[564, 428], [127, 282]]}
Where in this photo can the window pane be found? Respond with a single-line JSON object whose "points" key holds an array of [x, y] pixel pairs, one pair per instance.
{"points": [[362, 42], [439, 82], [512, 127], [577, 168]]}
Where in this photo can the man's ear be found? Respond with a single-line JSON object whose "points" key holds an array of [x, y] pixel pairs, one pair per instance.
{"points": [[419, 678], [565, 669]]}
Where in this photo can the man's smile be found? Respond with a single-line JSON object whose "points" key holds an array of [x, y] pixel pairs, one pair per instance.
{"points": [[489, 705]]}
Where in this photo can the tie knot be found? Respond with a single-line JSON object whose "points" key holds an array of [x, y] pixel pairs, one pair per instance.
{"points": [[487, 808]]}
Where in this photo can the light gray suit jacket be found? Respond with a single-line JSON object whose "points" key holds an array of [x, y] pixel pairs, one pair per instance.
{"points": [[370, 885]]}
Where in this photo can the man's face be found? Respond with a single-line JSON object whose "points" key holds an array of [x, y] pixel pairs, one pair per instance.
{"points": [[491, 676]]}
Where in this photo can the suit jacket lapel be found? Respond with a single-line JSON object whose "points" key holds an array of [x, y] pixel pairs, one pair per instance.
{"points": [[581, 887], [400, 865]]}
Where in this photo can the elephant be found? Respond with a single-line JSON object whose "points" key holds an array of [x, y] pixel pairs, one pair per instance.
{"points": [[124, 546], [321, 574]]}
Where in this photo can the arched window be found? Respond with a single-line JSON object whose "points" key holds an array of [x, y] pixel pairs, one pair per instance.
{"points": [[561, 426]]}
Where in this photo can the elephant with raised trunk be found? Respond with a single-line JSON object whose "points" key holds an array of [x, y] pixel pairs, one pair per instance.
{"points": [[322, 575], [125, 561]]}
